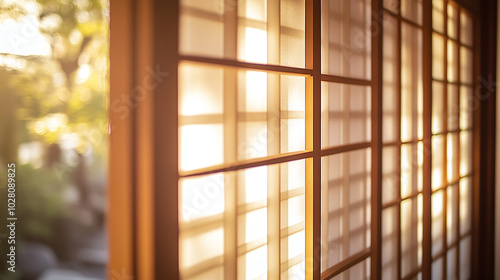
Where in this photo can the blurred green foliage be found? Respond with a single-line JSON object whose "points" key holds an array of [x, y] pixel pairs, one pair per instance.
{"points": [[39, 201], [71, 82], [43, 98]]}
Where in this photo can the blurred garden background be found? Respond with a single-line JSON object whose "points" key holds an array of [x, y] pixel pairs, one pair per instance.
{"points": [[53, 126]]}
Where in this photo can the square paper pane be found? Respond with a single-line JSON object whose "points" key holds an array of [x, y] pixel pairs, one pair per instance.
{"points": [[348, 119]]}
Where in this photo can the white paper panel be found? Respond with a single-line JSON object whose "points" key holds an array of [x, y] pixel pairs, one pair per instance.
{"points": [[349, 114], [411, 84], [346, 185], [346, 38]]}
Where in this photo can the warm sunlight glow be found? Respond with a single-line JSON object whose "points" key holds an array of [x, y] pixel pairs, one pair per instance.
{"points": [[437, 107], [200, 247], [437, 162], [256, 91], [437, 221], [451, 157], [235, 117], [437, 204], [437, 15], [465, 214], [23, 37], [255, 48], [254, 225], [200, 146], [255, 184], [201, 88], [452, 61], [255, 264], [465, 153], [201, 197]]}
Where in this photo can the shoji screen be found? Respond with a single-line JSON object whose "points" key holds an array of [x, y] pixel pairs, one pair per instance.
{"points": [[452, 105], [402, 181], [242, 139], [247, 164], [346, 139], [404, 148]]}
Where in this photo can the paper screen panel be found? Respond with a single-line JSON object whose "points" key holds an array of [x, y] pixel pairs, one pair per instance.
{"points": [[466, 66], [465, 153], [438, 168], [390, 243], [437, 107], [201, 129], [201, 252], [437, 222], [292, 113], [292, 223], [360, 271], [242, 29], [346, 186], [467, 105], [411, 234], [465, 186], [451, 263], [349, 114], [412, 10], [228, 114], [438, 58], [437, 269], [438, 15], [465, 258], [390, 174], [452, 67], [453, 107], [346, 39], [390, 79], [452, 156], [466, 29], [418, 277], [392, 5], [411, 84], [228, 214], [452, 214], [452, 21], [202, 28], [292, 31], [411, 169], [201, 226]]}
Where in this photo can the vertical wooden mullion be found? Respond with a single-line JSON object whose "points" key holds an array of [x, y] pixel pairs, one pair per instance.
{"points": [[399, 112], [445, 135], [457, 143], [230, 139], [427, 165], [376, 136], [230, 181], [165, 145], [313, 140], [273, 141]]}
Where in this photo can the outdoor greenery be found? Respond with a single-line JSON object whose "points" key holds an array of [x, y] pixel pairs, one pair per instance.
{"points": [[55, 100]]}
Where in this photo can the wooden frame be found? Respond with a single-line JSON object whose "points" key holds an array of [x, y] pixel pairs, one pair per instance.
{"points": [[143, 237], [483, 235], [144, 174]]}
